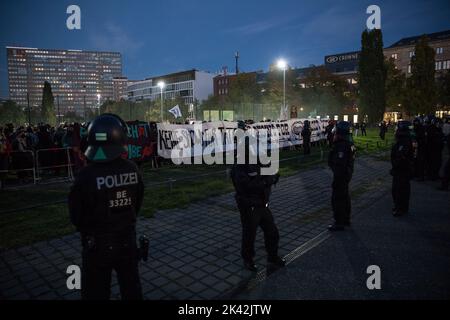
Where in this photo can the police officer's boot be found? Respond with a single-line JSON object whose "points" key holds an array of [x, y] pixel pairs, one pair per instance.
{"points": [[273, 264], [336, 227], [250, 265]]}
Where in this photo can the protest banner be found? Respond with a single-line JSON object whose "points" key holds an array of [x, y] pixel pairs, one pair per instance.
{"points": [[201, 135], [140, 145]]}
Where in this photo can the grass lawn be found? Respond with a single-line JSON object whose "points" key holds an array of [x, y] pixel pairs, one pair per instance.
{"points": [[189, 183]]}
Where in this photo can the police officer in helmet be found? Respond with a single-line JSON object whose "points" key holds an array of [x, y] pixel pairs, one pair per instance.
{"points": [[103, 204], [420, 150], [340, 160], [252, 198], [402, 159]]}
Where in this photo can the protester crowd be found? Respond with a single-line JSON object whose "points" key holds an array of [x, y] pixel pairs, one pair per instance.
{"points": [[23, 147]]}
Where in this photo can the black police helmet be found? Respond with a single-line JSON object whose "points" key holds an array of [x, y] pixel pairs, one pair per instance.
{"points": [[403, 128], [107, 138], [241, 125], [343, 128], [403, 125]]}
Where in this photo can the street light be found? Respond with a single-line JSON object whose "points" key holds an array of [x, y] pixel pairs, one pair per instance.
{"points": [[58, 117], [282, 65], [161, 85], [84, 103], [29, 109], [99, 97]]}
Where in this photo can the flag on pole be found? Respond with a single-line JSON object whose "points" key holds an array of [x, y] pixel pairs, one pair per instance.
{"points": [[176, 112]]}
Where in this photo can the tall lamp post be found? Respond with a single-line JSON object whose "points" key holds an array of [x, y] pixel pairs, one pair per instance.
{"points": [[84, 103], [99, 97], [29, 109], [282, 65], [161, 85], [59, 115]]}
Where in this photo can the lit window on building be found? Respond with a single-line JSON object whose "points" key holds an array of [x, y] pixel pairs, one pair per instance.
{"points": [[394, 56], [439, 50]]}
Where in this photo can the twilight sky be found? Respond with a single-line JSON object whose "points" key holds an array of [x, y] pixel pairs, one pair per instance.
{"points": [[162, 36]]}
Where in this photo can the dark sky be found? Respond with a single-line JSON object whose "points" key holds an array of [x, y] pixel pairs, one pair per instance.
{"points": [[163, 36]]}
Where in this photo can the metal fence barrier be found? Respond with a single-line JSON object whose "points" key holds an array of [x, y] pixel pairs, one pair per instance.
{"points": [[38, 161], [54, 159], [21, 162]]}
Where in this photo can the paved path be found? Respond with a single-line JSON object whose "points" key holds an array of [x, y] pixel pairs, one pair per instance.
{"points": [[194, 251], [413, 253]]}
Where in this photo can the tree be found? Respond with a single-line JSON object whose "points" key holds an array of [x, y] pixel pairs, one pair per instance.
{"points": [[243, 89], [72, 116], [48, 104], [10, 112], [323, 93], [372, 76], [395, 87], [421, 86]]}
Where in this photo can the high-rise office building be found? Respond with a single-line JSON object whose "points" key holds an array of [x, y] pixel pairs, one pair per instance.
{"points": [[120, 85], [191, 85], [80, 80]]}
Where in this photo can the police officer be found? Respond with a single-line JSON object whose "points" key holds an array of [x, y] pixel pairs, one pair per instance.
{"points": [[252, 198], [420, 151], [340, 160], [446, 174], [435, 144], [363, 129], [306, 135], [383, 129], [402, 159], [103, 203]]}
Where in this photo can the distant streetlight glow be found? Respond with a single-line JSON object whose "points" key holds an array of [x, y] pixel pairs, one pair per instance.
{"points": [[282, 65]]}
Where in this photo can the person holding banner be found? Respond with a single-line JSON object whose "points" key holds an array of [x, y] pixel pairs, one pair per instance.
{"points": [[340, 160], [252, 197], [306, 135]]}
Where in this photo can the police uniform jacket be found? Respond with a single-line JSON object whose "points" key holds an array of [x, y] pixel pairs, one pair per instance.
{"points": [[402, 157], [341, 159], [252, 188], [106, 197]]}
